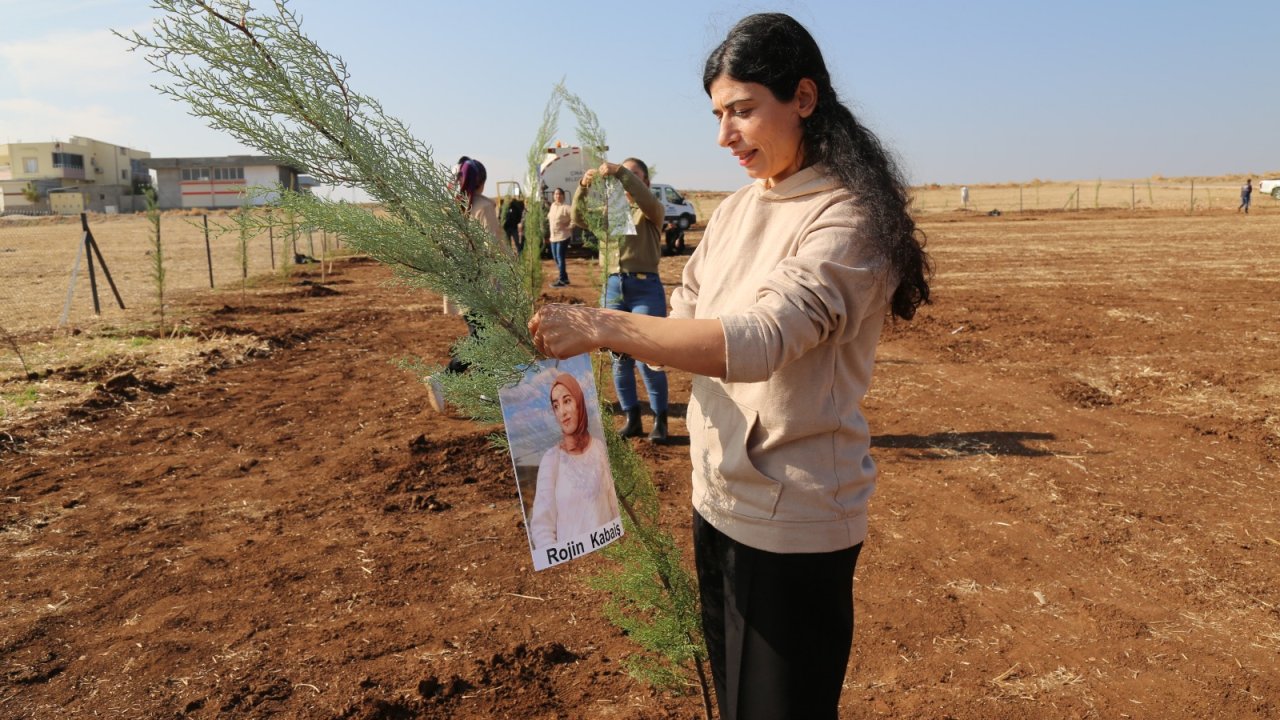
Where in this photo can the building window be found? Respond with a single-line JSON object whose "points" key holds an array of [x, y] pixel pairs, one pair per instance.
{"points": [[195, 173], [124, 174], [121, 151], [236, 173], [68, 160], [30, 165]]}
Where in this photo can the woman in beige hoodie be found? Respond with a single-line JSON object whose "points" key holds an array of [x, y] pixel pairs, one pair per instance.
{"points": [[778, 316]]}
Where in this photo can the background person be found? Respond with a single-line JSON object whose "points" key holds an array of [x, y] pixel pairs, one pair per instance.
{"points": [[574, 493], [633, 286], [560, 223], [469, 178], [1246, 194], [778, 315], [512, 219], [674, 235]]}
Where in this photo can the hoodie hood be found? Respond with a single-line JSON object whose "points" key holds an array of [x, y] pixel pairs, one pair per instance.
{"points": [[810, 180]]}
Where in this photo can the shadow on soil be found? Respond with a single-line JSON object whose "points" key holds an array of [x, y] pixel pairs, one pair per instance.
{"points": [[940, 446]]}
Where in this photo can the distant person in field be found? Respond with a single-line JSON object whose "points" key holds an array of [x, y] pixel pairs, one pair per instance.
{"points": [[964, 196], [574, 494], [1246, 195], [560, 222], [468, 182], [777, 316], [633, 286]]}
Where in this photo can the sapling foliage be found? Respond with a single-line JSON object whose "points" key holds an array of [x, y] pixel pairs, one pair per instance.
{"points": [[157, 252], [651, 594], [259, 78]]}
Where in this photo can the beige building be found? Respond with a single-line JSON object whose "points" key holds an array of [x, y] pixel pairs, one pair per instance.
{"points": [[106, 176], [221, 182]]}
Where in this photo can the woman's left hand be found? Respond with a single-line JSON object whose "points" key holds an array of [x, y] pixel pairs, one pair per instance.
{"points": [[563, 331]]}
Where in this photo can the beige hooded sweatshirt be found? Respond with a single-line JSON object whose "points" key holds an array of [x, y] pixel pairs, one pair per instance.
{"points": [[781, 451]]}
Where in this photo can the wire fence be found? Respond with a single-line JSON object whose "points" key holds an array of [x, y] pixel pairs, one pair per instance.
{"points": [[1187, 196], [45, 283]]}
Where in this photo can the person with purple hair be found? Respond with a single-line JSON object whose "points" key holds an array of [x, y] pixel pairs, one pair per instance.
{"points": [[469, 178]]}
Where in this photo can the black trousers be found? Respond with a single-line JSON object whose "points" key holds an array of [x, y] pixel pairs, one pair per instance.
{"points": [[779, 627]]}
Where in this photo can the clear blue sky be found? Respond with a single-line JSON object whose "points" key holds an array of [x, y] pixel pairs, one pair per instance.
{"points": [[964, 92]]}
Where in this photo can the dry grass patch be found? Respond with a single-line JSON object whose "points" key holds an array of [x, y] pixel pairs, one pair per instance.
{"points": [[63, 371], [1015, 683]]}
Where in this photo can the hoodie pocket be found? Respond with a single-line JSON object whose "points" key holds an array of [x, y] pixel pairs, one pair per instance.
{"points": [[736, 484]]}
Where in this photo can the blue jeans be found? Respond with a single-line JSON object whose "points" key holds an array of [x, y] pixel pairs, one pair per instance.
{"points": [[638, 293], [557, 254]]}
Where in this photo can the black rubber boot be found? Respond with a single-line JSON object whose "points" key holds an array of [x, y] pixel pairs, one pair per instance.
{"points": [[632, 428], [659, 433]]}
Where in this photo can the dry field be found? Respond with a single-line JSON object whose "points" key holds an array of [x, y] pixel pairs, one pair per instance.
{"points": [[37, 257], [1077, 516], [1188, 194]]}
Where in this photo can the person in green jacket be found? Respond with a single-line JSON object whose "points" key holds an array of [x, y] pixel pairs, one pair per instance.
{"points": [[633, 285]]}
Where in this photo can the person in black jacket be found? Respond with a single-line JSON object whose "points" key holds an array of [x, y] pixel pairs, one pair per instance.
{"points": [[512, 219]]}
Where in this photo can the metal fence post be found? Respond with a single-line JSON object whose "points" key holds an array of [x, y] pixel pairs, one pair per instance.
{"points": [[208, 252]]}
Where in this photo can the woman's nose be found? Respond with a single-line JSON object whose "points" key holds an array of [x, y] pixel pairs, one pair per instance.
{"points": [[727, 133]]}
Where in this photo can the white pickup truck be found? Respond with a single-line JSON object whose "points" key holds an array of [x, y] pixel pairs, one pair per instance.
{"points": [[679, 210], [1269, 187]]}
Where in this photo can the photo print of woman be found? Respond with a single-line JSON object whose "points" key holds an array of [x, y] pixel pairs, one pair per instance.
{"points": [[562, 472]]}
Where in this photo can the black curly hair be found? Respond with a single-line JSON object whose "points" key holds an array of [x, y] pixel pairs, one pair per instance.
{"points": [[773, 50]]}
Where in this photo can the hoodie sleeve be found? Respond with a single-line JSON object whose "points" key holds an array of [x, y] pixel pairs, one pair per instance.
{"points": [[578, 211], [643, 197], [825, 290]]}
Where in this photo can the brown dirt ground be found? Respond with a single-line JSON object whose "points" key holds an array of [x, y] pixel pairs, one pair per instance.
{"points": [[1077, 515]]}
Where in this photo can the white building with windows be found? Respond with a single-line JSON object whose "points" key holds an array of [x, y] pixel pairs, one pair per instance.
{"points": [[221, 182]]}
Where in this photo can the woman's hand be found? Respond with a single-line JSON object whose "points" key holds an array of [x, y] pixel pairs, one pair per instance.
{"points": [[588, 177], [696, 346], [563, 331]]}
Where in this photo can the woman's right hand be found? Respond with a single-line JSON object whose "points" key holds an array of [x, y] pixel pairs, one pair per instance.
{"points": [[563, 331]]}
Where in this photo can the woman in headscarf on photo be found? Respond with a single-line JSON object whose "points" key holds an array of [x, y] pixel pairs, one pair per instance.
{"points": [[574, 494], [778, 315]]}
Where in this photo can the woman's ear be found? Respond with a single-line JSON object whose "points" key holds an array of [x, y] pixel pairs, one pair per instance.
{"points": [[806, 97]]}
